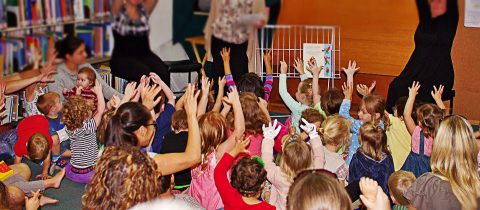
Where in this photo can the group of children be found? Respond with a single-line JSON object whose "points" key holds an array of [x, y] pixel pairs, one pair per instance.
{"points": [[245, 160]]}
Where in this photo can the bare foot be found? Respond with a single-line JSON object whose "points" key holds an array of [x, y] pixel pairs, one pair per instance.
{"points": [[55, 181], [44, 200]]}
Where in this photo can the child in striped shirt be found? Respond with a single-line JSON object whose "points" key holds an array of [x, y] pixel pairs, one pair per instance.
{"points": [[82, 132], [85, 80]]}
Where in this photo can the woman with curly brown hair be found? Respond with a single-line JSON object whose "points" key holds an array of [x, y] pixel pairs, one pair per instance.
{"points": [[125, 176], [82, 132]]}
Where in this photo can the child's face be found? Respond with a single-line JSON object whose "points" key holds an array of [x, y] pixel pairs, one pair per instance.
{"points": [[363, 115], [58, 106], [82, 81]]}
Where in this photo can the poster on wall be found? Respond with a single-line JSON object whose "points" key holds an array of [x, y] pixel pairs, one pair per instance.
{"points": [[472, 13], [321, 54]]}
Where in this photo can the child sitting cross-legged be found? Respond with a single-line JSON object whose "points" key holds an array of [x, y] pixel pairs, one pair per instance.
{"points": [[81, 129], [247, 180]]}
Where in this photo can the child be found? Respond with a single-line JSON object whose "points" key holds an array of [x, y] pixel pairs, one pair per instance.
{"points": [[213, 132], [313, 116], [306, 96], [34, 142], [50, 105], [167, 184], [428, 119], [317, 189], [296, 156], [454, 182], [176, 141], [81, 131], [372, 108], [331, 101], [398, 137], [86, 78], [335, 134], [373, 158], [398, 184], [247, 180], [254, 119]]}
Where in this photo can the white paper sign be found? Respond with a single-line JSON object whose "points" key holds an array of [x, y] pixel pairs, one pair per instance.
{"points": [[472, 13], [322, 54]]}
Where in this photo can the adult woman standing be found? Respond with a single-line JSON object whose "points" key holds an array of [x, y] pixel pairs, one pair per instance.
{"points": [[233, 24], [72, 51], [132, 57], [431, 61]]}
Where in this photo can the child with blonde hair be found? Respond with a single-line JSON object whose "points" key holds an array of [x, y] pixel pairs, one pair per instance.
{"points": [[335, 134], [428, 119], [82, 132], [296, 157], [398, 184], [372, 159], [454, 182]]}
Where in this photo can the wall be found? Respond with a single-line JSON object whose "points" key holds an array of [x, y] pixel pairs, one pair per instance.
{"points": [[379, 35]]}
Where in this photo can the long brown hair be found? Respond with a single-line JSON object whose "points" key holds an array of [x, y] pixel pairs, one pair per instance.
{"points": [[254, 117], [124, 176], [213, 132], [296, 156], [374, 141]]}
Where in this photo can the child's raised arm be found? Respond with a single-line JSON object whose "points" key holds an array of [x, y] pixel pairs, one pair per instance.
{"points": [[174, 162], [407, 112], [291, 103], [221, 91], [274, 174], [166, 90], [268, 85], [225, 53], [364, 90], [316, 73], [345, 107], [316, 143], [226, 106], [437, 96], [239, 123], [300, 69], [202, 105], [97, 89], [351, 70]]}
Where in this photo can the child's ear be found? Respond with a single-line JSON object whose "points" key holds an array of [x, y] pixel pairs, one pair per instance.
{"points": [[377, 115]]}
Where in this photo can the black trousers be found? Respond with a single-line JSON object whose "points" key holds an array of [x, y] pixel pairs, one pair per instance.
{"points": [[132, 68], [238, 58]]}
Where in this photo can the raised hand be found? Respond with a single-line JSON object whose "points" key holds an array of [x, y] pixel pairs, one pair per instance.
{"points": [[97, 89], [225, 53], [46, 73], [221, 83], [347, 90], [190, 103], [205, 86], [267, 56], [233, 96], [271, 130], [299, 66], [352, 68], [364, 90], [240, 146], [437, 93], [309, 128], [283, 67], [114, 102], [148, 96], [130, 91], [373, 196], [155, 78], [413, 90], [315, 69]]}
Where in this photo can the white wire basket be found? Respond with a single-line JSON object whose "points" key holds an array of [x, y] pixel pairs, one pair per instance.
{"points": [[286, 42]]}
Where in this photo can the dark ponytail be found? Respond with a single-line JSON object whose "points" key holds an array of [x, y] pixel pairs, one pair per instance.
{"points": [[68, 45], [129, 118]]}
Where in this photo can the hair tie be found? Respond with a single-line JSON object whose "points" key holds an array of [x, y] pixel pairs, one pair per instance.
{"points": [[259, 160]]}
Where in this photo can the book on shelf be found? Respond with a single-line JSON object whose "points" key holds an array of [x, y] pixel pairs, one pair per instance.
{"points": [[97, 38], [38, 12], [11, 109]]}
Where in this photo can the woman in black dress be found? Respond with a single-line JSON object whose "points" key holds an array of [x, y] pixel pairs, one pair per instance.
{"points": [[132, 57], [431, 61]]}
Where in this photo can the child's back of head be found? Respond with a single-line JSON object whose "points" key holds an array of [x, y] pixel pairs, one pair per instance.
{"points": [[398, 184], [331, 101], [213, 131], [251, 82], [429, 117], [38, 147], [248, 177], [373, 140], [47, 101], [305, 92], [400, 106], [179, 121], [312, 116], [255, 118], [335, 131], [296, 156], [374, 105], [317, 190], [75, 112]]}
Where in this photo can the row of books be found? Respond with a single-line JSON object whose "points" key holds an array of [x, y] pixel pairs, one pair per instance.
{"points": [[21, 13], [117, 83], [16, 50]]}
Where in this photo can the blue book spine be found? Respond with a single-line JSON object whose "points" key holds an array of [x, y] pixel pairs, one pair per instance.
{"points": [[59, 10], [28, 12]]}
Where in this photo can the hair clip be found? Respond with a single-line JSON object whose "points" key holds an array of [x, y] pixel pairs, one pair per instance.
{"points": [[259, 160]]}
